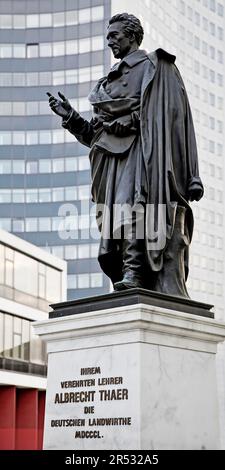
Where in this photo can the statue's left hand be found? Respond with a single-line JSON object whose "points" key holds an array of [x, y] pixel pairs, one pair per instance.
{"points": [[120, 126], [195, 192]]}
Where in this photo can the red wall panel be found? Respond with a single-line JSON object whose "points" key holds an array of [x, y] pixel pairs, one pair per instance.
{"points": [[7, 417], [41, 415], [26, 419]]}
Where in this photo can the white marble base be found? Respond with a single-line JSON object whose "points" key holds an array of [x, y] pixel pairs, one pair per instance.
{"points": [[162, 363]]}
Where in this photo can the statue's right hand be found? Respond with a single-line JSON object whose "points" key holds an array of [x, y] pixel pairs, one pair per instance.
{"points": [[61, 107]]}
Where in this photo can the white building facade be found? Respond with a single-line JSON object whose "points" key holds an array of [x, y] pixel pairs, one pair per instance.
{"points": [[30, 280]]}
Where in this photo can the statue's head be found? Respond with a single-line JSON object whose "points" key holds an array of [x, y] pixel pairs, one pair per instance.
{"points": [[125, 34]]}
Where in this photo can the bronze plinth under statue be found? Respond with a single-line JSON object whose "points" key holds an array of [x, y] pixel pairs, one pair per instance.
{"points": [[143, 160]]}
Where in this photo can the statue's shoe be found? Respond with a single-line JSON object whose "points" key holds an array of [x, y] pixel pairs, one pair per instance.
{"points": [[127, 284]]}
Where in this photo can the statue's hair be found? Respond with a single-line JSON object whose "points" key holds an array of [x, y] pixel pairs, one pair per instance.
{"points": [[132, 25]]}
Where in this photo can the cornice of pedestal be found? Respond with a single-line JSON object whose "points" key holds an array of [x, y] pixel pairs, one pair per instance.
{"points": [[132, 324]]}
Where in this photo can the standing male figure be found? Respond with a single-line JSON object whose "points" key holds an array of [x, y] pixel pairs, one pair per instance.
{"points": [[143, 154]]}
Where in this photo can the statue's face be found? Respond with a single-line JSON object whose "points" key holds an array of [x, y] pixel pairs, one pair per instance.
{"points": [[117, 41]]}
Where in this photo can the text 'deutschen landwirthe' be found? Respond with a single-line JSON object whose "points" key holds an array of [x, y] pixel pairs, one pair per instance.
{"points": [[88, 394]]}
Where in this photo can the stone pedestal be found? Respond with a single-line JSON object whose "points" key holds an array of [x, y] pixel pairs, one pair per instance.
{"points": [[135, 375]]}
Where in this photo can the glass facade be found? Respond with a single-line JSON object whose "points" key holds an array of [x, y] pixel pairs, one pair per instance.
{"points": [[18, 342], [48, 20], [25, 279], [42, 167]]}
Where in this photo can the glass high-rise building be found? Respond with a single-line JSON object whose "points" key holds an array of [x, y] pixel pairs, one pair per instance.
{"points": [[49, 46], [60, 45]]}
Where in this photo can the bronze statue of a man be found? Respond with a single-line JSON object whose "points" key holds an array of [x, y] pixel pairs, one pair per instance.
{"points": [[143, 156]]}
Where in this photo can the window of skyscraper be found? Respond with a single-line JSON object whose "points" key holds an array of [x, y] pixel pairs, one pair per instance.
{"points": [[32, 138], [18, 138], [71, 18], [57, 194], [84, 221], [5, 79], [212, 28], [5, 108], [58, 165], [84, 45], [5, 166], [18, 225], [45, 166], [5, 196], [19, 21], [71, 76], [58, 136], [31, 195], [6, 21], [58, 19], [32, 50], [70, 252], [44, 224], [18, 195], [43, 107], [220, 9], [58, 48], [220, 79], [84, 192], [31, 166], [19, 51], [5, 224], [220, 33], [83, 163], [212, 99], [44, 194], [31, 224], [84, 104], [220, 57], [58, 77], [84, 251], [83, 281], [18, 108], [45, 77], [31, 107], [71, 47], [220, 102], [18, 166], [19, 79], [71, 193], [94, 250], [32, 21], [5, 51], [45, 49], [45, 20], [71, 164], [72, 281], [45, 137], [96, 280], [58, 251], [32, 79], [97, 43], [212, 5]]}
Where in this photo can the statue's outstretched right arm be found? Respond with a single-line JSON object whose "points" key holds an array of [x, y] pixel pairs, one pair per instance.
{"points": [[71, 119]]}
